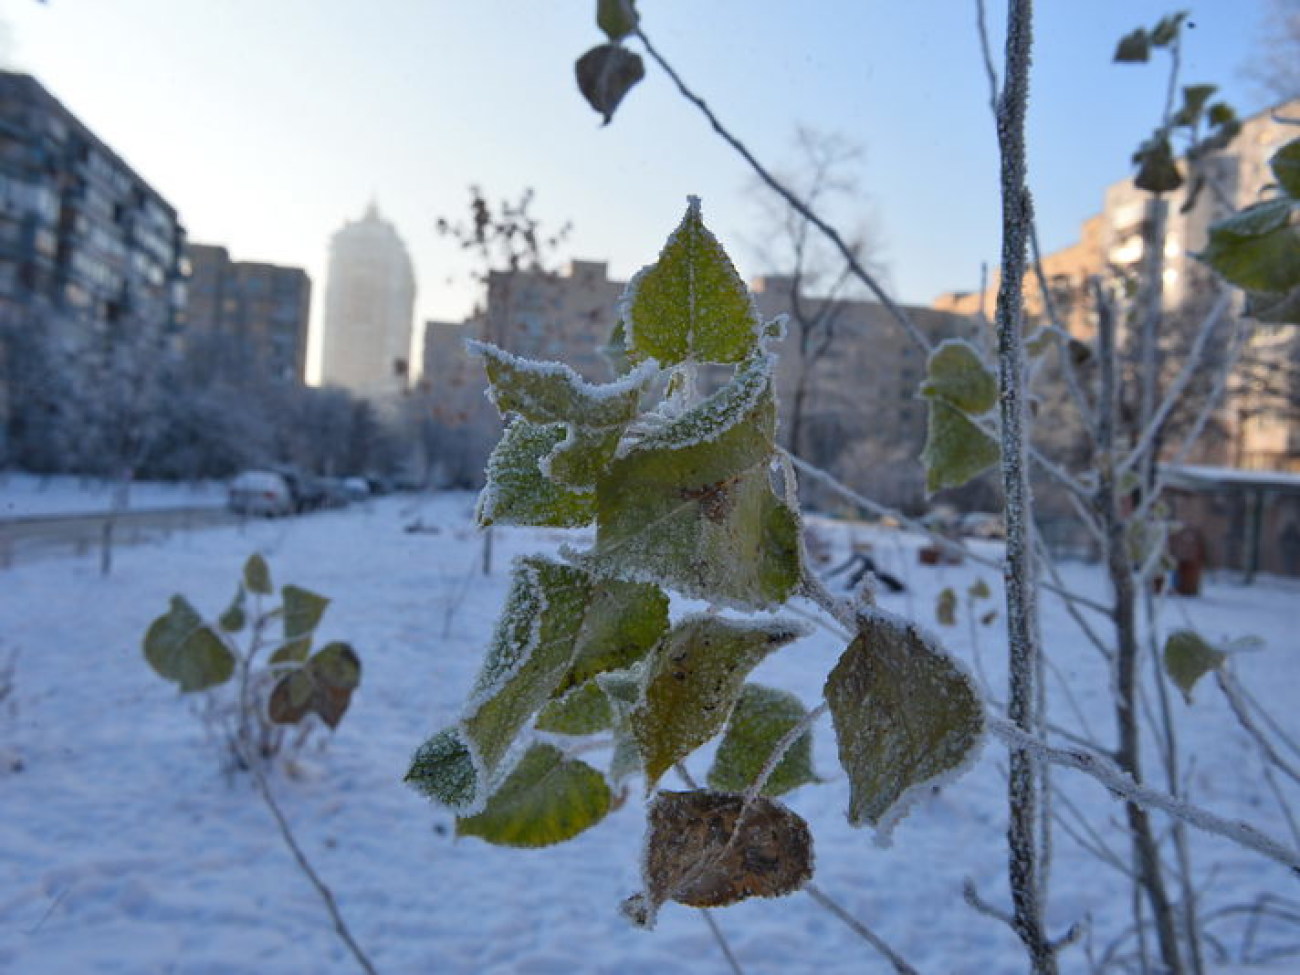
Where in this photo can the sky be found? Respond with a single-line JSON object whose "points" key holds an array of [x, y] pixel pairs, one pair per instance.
{"points": [[269, 124]]}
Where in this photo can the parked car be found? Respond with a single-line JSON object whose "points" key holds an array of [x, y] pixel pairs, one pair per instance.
{"points": [[307, 493], [260, 493], [356, 488], [335, 494]]}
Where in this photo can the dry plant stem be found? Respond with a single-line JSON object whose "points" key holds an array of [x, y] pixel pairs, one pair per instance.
{"points": [[340, 926], [1128, 750], [721, 939], [845, 249], [1025, 786], [1123, 786], [1232, 692], [864, 932]]}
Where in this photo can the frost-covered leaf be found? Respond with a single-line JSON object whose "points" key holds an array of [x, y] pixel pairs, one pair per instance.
{"points": [[302, 612], [616, 351], [709, 849], [584, 710], [323, 684], [691, 304], [617, 18], [955, 450], [234, 617], [257, 575], [1258, 248], [182, 648], [957, 386], [904, 715], [1134, 47], [1276, 308], [692, 506], [1188, 658], [945, 607], [692, 683], [605, 74], [623, 691], [547, 798], [762, 717], [594, 416], [531, 652], [622, 621], [1286, 168], [443, 771], [518, 493]]}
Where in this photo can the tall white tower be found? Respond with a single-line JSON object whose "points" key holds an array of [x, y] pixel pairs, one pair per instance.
{"points": [[369, 309]]}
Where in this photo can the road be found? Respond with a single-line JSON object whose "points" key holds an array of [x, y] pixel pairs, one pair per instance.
{"points": [[22, 539]]}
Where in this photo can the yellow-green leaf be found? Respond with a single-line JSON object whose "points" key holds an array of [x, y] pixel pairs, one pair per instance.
{"points": [[518, 493], [303, 610], [617, 18], [180, 647], [584, 710], [945, 607], [955, 450], [763, 716], [905, 717], [955, 374], [257, 575], [547, 798], [1286, 168], [691, 304], [1188, 658], [1258, 248], [323, 684], [234, 618]]}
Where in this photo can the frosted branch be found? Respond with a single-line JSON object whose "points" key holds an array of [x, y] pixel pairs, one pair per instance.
{"points": [[860, 929]]}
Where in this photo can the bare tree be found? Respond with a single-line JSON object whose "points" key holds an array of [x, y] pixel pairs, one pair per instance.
{"points": [[1275, 68]]}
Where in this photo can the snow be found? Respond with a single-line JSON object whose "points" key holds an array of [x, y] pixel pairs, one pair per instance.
{"points": [[123, 848], [28, 496]]}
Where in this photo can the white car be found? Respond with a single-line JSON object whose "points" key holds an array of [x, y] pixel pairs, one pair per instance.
{"points": [[260, 493]]}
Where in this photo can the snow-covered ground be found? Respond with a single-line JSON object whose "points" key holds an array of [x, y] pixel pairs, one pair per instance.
{"points": [[124, 849], [25, 495]]}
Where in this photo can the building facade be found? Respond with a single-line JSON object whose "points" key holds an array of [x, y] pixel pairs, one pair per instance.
{"points": [[253, 316], [369, 309]]}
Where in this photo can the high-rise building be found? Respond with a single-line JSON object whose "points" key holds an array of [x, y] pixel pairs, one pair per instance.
{"points": [[369, 309], [252, 316]]}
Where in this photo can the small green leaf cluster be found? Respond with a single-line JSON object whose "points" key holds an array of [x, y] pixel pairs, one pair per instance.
{"points": [[688, 496], [1207, 127], [959, 389], [1258, 249], [295, 683]]}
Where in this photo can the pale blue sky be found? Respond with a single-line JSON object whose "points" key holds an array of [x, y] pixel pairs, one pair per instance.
{"points": [[269, 123]]}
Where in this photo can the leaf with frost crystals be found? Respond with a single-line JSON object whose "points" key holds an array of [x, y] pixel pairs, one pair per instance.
{"points": [[692, 506], [691, 304], [531, 651], [710, 849], [904, 716], [518, 493], [1188, 658], [762, 717], [303, 610], [182, 648], [443, 771], [692, 682], [1258, 248], [323, 684], [584, 710], [594, 416], [958, 386], [622, 621], [547, 798], [623, 692]]}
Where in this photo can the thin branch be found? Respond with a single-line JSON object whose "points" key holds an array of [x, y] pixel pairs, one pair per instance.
{"points": [[798, 205], [721, 939], [1231, 690], [784, 745], [860, 929], [1123, 786]]}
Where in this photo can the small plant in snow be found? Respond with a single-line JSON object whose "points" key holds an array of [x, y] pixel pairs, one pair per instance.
{"points": [[690, 495], [261, 700]]}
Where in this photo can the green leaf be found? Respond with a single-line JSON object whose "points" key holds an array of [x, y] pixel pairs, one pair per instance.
{"points": [[955, 450], [181, 647], [692, 506], [1281, 308], [584, 710], [979, 589], [1166, 31], [1221, 113], [546, 799], [531, 652], [1157, 169], [692, 683], [257, 575], [1188, 658], [1134, 47], [956, 375], [324, 685], [623, 692], [945, 607], [605, 74], [616, 351], [1258, 248], [691, 304], [1195, 98], [443, 771], [711, 849], [621, 623], [234, 618], [518, 493], [1286, 168], [302, 612], [905, 716], [762, 717], [617, 18]]}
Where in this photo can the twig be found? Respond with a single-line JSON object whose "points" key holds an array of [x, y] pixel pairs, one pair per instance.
{"points": [[340, 926], [721, 939], [860, 929]]}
